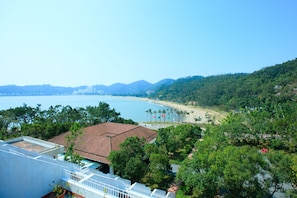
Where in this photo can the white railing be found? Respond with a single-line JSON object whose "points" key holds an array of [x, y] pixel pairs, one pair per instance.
{"points": [[107, 190]]}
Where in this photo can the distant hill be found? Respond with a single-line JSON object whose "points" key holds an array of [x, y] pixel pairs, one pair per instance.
{"points": [[232, 91], [138, 88], [33, 90]]}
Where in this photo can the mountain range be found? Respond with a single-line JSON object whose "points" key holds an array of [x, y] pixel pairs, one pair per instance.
{"points": [[138, 88], [229, 91], [269, 85]]}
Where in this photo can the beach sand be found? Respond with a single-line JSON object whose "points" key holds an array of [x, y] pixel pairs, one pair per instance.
{"points": [[193, 112]]}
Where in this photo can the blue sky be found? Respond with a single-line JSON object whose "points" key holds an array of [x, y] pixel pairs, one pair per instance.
{"points": [[74, 42]]}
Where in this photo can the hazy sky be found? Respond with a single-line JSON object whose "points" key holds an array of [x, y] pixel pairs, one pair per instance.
{"points": [[89, 42]]}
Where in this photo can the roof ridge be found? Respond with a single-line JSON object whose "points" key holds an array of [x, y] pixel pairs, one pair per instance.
{"points": [[137, 126], [89, 152]]}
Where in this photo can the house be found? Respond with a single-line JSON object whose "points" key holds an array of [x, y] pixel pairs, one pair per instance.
{"points": [[96, 142]]}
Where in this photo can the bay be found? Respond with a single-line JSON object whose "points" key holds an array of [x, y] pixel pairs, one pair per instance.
{"points": [[128, 107]]}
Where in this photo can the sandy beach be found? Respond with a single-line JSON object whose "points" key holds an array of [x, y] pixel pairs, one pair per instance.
{"points": [[194, 114]]}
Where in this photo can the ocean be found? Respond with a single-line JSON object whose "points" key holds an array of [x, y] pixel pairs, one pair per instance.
{"points": [[128, 107]]}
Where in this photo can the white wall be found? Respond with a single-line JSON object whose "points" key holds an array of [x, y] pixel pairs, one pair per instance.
{"points": [[28, 174], [22, 176]]}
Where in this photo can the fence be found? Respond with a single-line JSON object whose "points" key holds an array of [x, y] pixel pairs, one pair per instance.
{"points": [[106, 189], [134, 191]]}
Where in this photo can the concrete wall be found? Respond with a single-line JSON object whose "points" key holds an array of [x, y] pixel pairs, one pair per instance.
{"points": [[54, 152], [83, 190], [22, 176], [29, 174], [52, 148]]}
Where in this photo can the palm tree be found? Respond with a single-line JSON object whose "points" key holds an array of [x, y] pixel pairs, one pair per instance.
{"points": [[164, 115], [171, 114], [149, 112], [155, 116], [159, 117]]}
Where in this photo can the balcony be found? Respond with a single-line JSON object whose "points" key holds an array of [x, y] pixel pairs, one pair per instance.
{"points": [[93, 184], [35, 174]]}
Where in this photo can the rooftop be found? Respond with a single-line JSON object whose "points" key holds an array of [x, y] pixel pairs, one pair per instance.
{"points": [[37, 145], [34, 175], [96, 142]]}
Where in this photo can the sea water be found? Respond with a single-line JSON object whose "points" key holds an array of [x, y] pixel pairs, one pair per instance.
{"points": [[129, 108]]}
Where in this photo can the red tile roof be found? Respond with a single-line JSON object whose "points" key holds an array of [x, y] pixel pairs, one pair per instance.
{"points": [[97, 141]]}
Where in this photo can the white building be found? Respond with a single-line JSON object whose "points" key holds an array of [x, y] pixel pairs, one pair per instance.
{"points": [[25, 173]]}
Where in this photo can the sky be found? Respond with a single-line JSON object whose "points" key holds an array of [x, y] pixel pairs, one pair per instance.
{"points": [[94, 42]]}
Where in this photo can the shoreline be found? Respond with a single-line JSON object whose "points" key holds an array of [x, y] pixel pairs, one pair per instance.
{"points": [[194, 113]]}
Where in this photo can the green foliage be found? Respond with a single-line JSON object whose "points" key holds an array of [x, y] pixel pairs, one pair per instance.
{"points": [[227, 170], [233, 91], [159, 169], [281, 169], [58, 190], [71, 140], [270, 127], [229, 160], [294, 171], [178, 140], [102, 113], [45, 124], [129, 161], [141, 162]]}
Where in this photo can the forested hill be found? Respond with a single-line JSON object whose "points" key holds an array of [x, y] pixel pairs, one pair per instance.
{"points": [[232, 91], [138, 88]]}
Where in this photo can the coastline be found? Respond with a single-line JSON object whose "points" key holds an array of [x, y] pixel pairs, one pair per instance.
{"points": [[193, 112]]}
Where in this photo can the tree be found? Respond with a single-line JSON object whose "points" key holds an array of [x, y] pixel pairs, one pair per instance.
{"points": [[220, 166], [294, 172], [57, 119], [71, 140], [159, 168], [130, 161], [281, 171], [229, 171], [101, 113], [155, 115], [147, 114], [179, 140], [163, 115]]}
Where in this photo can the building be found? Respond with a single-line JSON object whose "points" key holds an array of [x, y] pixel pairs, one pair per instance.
{"points": [[37, 145], [96, 142], [26, 173]]}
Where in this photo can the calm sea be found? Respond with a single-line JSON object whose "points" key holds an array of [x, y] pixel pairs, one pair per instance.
{"points": [[129, 108]]}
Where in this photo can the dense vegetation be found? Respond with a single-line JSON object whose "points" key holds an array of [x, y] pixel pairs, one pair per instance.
{"points": [[233, 91], [178, 140], [149, 163], [252, 153], [45, 124]]}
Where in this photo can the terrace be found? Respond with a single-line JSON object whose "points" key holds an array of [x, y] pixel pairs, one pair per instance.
{"points": [[37, 145], [34, 175]]}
